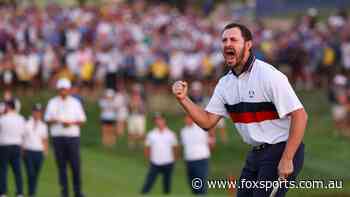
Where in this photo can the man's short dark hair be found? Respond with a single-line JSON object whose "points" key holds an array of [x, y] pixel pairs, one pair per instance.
{"points": [[246, 33]]}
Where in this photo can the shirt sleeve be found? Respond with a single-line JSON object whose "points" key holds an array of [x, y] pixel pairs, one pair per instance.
{"points": [[182, 137], [50, 112], [282, 95], [216, 103], [148, 140], [101, 103], [80, 113]]}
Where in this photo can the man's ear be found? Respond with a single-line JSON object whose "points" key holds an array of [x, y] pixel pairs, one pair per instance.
{"points": [[249, 45]]}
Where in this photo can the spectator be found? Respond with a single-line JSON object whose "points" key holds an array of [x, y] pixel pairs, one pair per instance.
{"points": [[90, 46], [8, 96], [108, 118], [339, 101], [137, 117], [12, 129], [65, 114], [108, 62], [161, 150], [86, 64], [35, 146], [197, 144], [121, 103], [7, 71]]}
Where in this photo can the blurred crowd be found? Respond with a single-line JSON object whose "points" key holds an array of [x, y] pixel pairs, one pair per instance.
{"points": [[93, 44], [96, 45], [100, 46]]}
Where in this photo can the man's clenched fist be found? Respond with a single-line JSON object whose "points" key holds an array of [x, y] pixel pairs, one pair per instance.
{"points": [[180, 89]]}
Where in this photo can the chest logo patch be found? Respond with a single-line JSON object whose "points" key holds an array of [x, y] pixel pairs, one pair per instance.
{"points": [[251, 93]]}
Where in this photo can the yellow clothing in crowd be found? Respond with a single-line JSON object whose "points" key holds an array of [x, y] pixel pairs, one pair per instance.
{"points": [[159, 69]]}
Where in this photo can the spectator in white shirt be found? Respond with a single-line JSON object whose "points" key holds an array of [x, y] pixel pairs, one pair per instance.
{"points": [[197, 144], [108, 118], [121, 101], [35, 145], [65, 114], [12, 128], [162, 151]]}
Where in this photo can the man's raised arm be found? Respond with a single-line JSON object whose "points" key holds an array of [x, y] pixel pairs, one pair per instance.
{"points": [[201, 117]]}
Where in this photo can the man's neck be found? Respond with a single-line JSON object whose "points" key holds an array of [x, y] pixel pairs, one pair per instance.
{"points": [[239, 68], [161, 129], [63, 97], [190, 125], [36, 119], [11, 111]]}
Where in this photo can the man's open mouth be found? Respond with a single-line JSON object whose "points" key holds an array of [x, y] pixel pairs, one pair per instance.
{"points": [[230, 52]]}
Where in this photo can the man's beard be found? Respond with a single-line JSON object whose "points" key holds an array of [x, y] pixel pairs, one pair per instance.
{"points": [[240, 57]]}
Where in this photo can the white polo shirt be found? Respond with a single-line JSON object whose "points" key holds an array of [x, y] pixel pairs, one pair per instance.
{"points": [[12, 128], [68, 109], [161, 146], [196, 143], [258, 102], [35, 133]]}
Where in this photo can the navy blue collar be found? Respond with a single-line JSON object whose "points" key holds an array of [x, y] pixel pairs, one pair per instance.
{"points": [[247, 66]]}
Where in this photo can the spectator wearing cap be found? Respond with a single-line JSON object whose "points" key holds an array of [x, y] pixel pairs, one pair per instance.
{"points": [[108, 118], [65, 115], [12, 129], [35, 145], [197, 144], [161, 148]]}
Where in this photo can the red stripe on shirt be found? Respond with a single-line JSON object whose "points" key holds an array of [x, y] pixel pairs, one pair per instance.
{"points": [[251, 117]]}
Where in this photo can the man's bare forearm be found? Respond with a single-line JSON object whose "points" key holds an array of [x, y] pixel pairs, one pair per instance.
{"points": [[297, 129], [146, 152], [198, 114], [46, 145]]}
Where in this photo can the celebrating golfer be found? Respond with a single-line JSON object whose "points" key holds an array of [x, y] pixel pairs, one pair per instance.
{"points": [[264, 107]]}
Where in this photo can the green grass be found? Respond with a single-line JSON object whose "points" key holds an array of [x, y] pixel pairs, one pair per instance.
{"points": [[121, 172]]}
